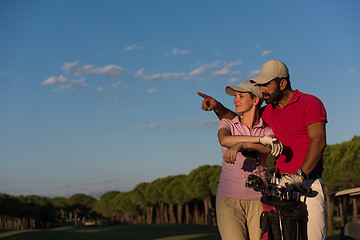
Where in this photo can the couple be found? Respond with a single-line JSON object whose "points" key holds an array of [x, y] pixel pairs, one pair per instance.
{"points": [[298, 121]]}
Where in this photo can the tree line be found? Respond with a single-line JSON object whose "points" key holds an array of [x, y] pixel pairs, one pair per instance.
{"points": [[181, 199], [341, 171], [187, 199]]}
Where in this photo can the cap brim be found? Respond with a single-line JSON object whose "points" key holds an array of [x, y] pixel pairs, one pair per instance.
{"points": [[230, 90], [260, 79]]}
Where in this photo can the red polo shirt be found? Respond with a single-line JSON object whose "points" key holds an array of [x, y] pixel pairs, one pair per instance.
{"points": [[290, 127]]}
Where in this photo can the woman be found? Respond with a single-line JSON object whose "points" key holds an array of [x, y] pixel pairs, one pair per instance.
{"points": [[238, 208]]}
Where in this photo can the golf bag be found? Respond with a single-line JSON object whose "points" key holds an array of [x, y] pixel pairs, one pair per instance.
{"points": [[282, 222]]}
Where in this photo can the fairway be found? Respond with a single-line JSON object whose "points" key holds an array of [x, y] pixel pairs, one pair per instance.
{"points": [[125, 232]]}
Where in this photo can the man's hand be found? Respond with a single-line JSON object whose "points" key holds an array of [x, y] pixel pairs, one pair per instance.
{"points": [[273, 143], [230, 154], [291, 179], [209, 103]]}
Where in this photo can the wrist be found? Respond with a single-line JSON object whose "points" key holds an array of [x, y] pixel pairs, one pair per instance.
{"points": [[301, 173]]}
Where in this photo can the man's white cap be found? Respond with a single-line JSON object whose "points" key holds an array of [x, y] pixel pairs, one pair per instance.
{"points": [[245, 86], [271, 70]]}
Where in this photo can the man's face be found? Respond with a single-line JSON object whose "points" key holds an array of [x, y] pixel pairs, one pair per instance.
{"points": [[271, 92]]}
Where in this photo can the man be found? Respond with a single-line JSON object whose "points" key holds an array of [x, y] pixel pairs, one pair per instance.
{"points": [[298, 121]]}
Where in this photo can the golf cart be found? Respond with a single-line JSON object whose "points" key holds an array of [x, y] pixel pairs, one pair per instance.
{"points": [[350, 230]]}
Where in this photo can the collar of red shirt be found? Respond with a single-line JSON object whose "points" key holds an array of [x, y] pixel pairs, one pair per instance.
{"points": [[295, 97]]}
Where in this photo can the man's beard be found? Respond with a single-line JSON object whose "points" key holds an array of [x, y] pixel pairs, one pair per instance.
{"points": [[273, 97]]}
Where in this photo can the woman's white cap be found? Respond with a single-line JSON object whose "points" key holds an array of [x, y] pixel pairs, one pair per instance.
{"points": [[245, 86]]}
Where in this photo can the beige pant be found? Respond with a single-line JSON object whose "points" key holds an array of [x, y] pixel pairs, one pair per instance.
{"points": [[238, 219]]}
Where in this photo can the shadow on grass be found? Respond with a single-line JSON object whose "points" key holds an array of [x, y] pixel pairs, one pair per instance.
{"points": [[126, 232], [334, 237]]}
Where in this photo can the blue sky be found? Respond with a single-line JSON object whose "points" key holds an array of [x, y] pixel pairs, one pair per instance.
{"points": [[101, 95]]}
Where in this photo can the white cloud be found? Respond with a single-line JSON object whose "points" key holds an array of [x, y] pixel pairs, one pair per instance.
{"points": [[202, 68], [176, 51], [158, 76], [172, 75], [133, 47], [87, 69], [66, 67], [197, 123], [114, 86], [235, 63], [95, 188], [139, 73], [72, 85], [212, 65], [224, 72], [197, 71], [195, 64], [254, 72], [234, 80], [77, 83], [155, 76], [55, 80], [63, 83], [110, 98], [129, 48], [151, 90], [266, 52], [109, 70], [186, 78]]}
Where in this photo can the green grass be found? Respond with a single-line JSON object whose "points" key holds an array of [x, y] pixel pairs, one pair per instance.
{"points": [[126, 232], [335, 236]]}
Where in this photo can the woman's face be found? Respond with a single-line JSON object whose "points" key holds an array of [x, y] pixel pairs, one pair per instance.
{"points": [[243, 102]]}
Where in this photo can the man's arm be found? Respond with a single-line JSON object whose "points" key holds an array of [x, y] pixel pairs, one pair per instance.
{"points": [[210, 103], [237, 143], [227, 140], [230, 154], [317, 134]]}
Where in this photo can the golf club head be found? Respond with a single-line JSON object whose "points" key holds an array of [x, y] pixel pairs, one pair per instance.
{"points": [[275, 175], [274, 186], [290, 187], [279, 192], [299, 188], [254, 181]]}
